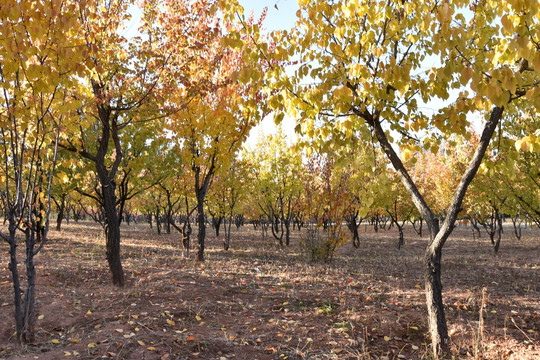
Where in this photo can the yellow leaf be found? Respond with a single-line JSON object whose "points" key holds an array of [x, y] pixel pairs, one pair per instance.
{"points": [[41, 317], [170, 322], [140, 342], [198, 318], [151, 348], [92, 345], [507, 24], [466, 75], [386, 338], [55, 341], [536, 62], [523, 145], [406, 154], [415, 328]]}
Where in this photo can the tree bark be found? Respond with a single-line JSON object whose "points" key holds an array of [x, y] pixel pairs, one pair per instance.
{"points": [[112, 233], [29, 315], [202, 227], [61, 210], [15, 277]]}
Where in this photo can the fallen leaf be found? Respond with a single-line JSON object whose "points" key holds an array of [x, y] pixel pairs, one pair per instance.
{"points": [[151, 348], [92, 345], [55, 341], [140, 342], [387, 338], [170, 322], [41, 317], [190, 338]]}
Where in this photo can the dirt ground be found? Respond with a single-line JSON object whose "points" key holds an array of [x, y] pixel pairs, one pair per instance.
{"points": [[257, 301]]}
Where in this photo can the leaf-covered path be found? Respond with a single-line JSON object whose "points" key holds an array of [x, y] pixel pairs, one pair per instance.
{"points": [[259, 302]]}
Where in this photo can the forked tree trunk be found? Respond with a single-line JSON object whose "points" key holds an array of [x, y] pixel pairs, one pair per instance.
{"points": [[516, 221], [432, 260]]}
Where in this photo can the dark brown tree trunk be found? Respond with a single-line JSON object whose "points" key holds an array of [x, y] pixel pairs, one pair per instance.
{"points": [[227, 242], [418, 229], [15, 276], [201, 221], [108, 198], [29, 315], [61, 210], [216, 221], [112, 233], [516, 221], [434, 301]]}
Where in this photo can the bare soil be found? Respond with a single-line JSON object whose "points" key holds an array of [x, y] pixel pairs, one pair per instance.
{"points": [[258, 301]]}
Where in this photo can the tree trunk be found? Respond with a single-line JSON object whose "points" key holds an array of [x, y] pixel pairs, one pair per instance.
{"points": [[29, 315], [434, 301], [287, 223], [15, 277], [227, 242], [202, 227], [401, 240], [60, 215], [516, 221], [419, 229], [149, 218], [216, 221], [167, 226], [112, 233]]}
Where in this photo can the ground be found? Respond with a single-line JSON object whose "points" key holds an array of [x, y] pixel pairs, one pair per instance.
{"points": [[257, 301]]}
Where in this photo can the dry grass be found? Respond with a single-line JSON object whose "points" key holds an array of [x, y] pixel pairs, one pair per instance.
{"points": [[261, 302]]}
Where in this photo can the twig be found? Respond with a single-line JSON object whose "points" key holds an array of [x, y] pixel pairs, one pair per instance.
{"points": [[523, 332]]}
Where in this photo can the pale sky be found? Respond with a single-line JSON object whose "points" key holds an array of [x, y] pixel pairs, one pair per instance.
{"points": [[281, 15]]}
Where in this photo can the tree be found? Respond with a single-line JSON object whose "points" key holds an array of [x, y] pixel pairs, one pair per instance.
{"points": [[228, 190], [39, 53], [360, 66], [276, 177], [212, 111], [115, 125]]}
